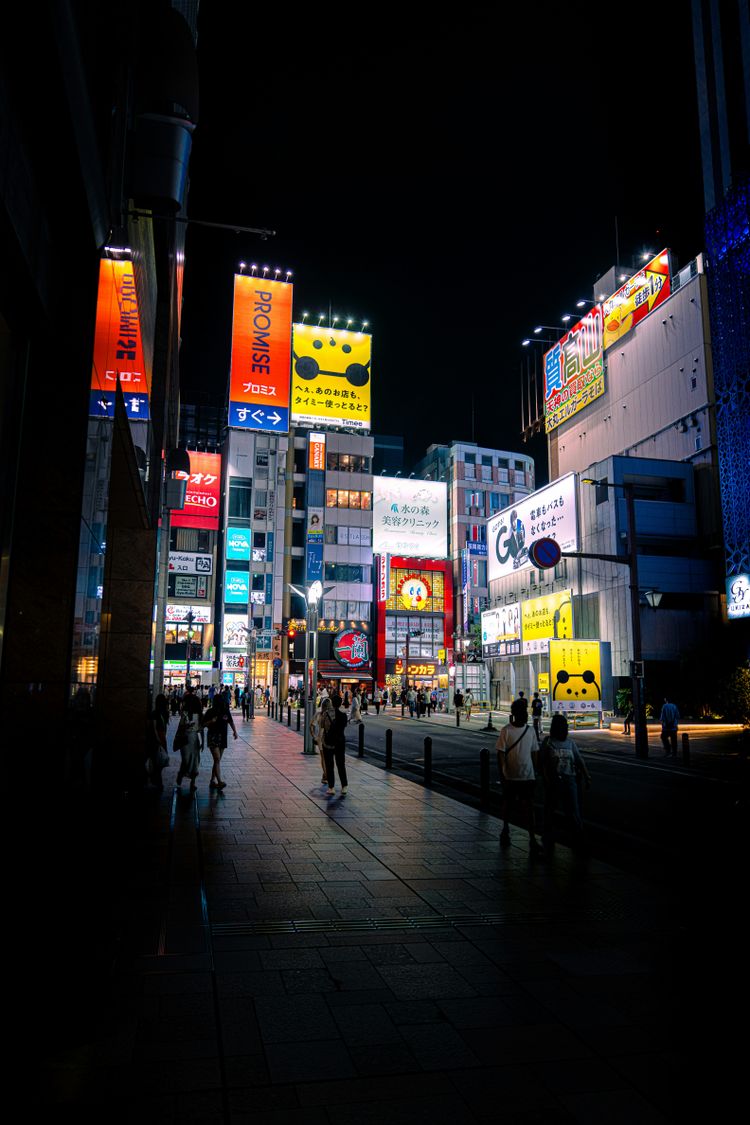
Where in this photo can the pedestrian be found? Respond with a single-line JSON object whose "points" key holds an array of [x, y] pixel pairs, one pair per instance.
{"points": [[236, 695], [245, 702], [468, 703], [563, 771], [217, 721], [323, 717], [411, 699], [394, 697], [537, 708], [670, 718], [384, 700], [458, 699], [355, 715], [156, 740], [516, 750], [629, 717], [376, 699], [334, 746], [364, 702], [188, 737]]}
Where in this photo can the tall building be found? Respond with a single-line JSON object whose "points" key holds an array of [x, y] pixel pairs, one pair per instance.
{"points": [[480, 482]]}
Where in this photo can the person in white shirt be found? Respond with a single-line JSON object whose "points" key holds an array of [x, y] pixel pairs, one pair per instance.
{"points": [[516, 753]]}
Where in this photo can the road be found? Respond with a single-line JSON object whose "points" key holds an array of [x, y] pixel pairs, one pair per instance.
{"points": [[651, 814]]}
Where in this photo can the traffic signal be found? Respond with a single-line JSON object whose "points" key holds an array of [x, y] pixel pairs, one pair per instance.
{"points": [[291, 632]]}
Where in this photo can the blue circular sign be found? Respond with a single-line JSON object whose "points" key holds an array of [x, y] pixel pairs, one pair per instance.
{"points": [[545, 553]]}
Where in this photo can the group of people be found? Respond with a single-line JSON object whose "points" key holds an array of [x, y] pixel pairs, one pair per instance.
{"points": [[216, 721], [522, 754], [327, 729]]}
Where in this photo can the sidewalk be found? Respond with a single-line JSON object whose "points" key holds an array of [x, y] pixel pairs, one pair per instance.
{"points": [[285, 957]]}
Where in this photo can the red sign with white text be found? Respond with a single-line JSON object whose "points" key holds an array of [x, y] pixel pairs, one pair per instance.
{"points": [[203, 497], [118, 347]]}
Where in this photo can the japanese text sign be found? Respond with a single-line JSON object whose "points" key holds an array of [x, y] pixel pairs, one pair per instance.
{"points": [[316, 445], [187, 562], [639, 296], [331, 377], [261, 355], [410, 517], [202, 498], [576, 676], [501, 630], [549, 512], [545, 619], [574, 370], [118, 345]]}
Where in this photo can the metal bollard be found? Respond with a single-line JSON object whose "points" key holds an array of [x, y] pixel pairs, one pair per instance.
{"points": [[428, 761], [402, 710], [268, 708], [686, 749], [289, 715], [361, 737], [484, 776], [389, 749], [299, 712]]}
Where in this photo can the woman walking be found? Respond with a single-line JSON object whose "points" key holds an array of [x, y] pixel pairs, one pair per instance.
{"points": [[334, 746], [188, 738], [355, 715], [562, 768], [217, 721]]}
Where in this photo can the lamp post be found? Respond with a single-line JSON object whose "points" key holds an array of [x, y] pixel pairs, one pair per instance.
{"points": [[312, 595], [252, 643], [409, 634], [190, 618]]}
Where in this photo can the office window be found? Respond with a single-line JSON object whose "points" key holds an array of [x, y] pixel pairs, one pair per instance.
{"points": [[331, 498], [259, 539], [354, 500], [240, 498]]}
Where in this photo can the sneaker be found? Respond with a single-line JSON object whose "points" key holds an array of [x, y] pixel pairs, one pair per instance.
{"points": [[330, 792], [344, 790]]}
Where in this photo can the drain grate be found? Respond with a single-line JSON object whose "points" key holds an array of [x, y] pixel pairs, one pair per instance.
{"points": [[419, 923]]}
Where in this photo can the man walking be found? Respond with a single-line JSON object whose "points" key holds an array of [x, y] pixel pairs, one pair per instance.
{"points": [[537, 707], [670, 718]]}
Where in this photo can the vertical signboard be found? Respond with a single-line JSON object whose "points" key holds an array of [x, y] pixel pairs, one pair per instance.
{"points": [[574, 370], [331, 377], [545, 619], [316, 452], [575, 675], [203, 493], [638, 297], [118, 346], [261, 355]]}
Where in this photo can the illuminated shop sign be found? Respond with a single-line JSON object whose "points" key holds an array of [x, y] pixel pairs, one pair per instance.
{"points": [[501, 630], [261, 355], [331, 377], [410, 518], [237, 586], [550, 513], [203, 493], [631, 304], [239, 543], [574, 370], [352, 648], [186, 562], [201, 613], [118, 345], [414, 591], [738, 596], [424, 669], [316, 452], [575, 675], [546, 619]]}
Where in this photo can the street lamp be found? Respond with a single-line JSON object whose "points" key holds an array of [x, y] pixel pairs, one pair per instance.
{"points": [[190, 618], [311, 595]]}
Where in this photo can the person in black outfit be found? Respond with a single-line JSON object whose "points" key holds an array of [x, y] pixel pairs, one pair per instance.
{"points": [[334, 745]]}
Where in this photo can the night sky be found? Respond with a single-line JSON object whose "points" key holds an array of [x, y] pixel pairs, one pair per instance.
{"points": [[453, 184]]}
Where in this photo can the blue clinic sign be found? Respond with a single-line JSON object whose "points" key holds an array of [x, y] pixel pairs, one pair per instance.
{"points": [[237, 587], [239, 543]]}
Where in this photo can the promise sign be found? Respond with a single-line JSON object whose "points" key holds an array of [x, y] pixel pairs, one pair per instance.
{"points": [[261, 355]]}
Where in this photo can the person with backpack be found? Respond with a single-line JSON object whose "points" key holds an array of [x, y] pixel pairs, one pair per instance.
{"points": [[563, 769], [516, 751], [334, 746]]}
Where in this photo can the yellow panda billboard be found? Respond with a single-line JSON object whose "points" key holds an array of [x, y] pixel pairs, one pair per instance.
{"points": [[331, 377], [575, 675]]}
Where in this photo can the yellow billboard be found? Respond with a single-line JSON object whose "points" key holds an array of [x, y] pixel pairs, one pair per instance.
{"points": [[576, 675], [546, 619], [331, 377]]}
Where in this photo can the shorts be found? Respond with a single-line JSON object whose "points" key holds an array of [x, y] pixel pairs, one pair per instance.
{"points": [[519, 790]]}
